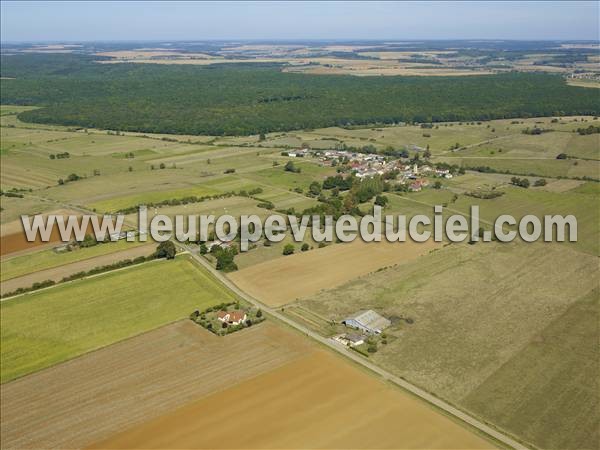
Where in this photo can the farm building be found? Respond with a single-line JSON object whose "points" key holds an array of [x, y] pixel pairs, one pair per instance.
{"points": [[350, 339], [368, 321], [231, 317]]}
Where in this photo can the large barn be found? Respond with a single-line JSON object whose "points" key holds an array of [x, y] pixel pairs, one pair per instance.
{"points": [[368, 321]]}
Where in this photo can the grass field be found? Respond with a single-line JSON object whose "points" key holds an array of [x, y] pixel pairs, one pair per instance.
{"points": [[87, 399], [479, 311], [120, 203], [318, 401], [283, 280], [556, 356], [580, 201], [51, 326], [17, 266], [58, 273]]}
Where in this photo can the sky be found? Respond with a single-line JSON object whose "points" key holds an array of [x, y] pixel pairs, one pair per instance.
{"points": [[271, 20]]}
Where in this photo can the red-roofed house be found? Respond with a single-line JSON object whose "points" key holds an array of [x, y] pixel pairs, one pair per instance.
{"points": [[231, 317]]}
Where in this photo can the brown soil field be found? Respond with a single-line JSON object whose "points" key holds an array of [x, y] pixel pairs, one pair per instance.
{"points": [[91, 398], [13, 239], [286, 279], [318, 401], [58, 273]]}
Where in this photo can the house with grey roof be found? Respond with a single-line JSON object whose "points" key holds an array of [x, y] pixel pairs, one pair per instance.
{"points": [[367, 321]]}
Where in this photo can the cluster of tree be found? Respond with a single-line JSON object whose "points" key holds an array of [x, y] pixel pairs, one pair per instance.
{"points": [[367, 188], [395, 153], [536, 131], [521, 182], [589, 130], [63, 155], [485, 194], [217, 100], [165, 250], [266, 204], [181, 201], [225, 258], [33, 287], [70, 178], [339, 182], [381, 200], [11, 194]]}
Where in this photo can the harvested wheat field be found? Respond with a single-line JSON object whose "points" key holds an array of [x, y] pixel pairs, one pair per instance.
{"points": [[286, 279], [318, 401], [107, 391]]}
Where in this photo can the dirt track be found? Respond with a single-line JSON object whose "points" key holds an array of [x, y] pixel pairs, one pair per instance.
{"points": [[92, 397], [57, 273]]}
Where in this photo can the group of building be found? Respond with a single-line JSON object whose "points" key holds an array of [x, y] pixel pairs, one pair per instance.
{"points": [[366, 165], [364, 323]]}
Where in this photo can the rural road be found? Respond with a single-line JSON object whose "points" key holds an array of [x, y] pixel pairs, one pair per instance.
{"points": [[449, 409]]}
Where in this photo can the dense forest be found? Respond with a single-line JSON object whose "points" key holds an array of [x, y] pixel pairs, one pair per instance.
{"points": [[239, 99]]}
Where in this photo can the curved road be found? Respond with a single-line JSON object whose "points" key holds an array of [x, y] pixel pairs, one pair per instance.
{"points": [[492, 432]]}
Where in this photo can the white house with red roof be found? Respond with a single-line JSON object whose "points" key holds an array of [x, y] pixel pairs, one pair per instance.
{"points": [[232, 317]]}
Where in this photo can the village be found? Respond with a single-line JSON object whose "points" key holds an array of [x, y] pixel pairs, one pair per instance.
{"points": [[368, 165]]}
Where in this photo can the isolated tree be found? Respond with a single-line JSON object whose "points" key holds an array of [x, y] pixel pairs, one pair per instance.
{"points": [[290, 167], [203, 249], [259, 313], [305, 247], [288, 249]]}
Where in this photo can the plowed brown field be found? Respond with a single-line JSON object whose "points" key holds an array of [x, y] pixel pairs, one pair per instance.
{"points": [[92, 397], [13, 239], [319, 401]]}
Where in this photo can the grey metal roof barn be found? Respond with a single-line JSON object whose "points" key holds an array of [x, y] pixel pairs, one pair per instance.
{"points": [[368, 321]]}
